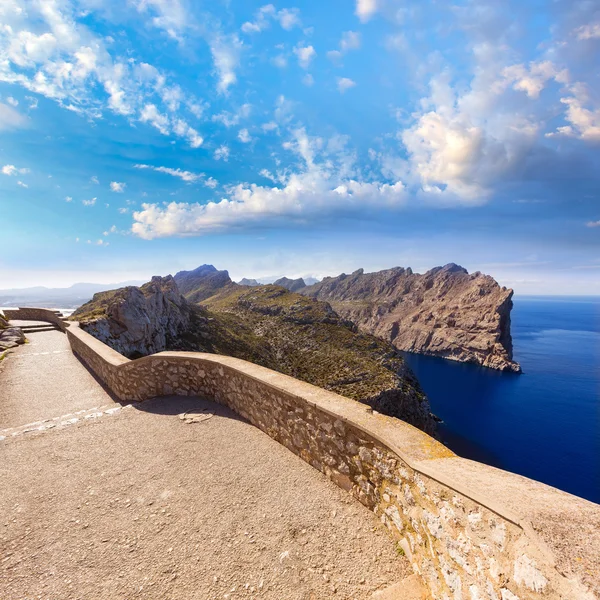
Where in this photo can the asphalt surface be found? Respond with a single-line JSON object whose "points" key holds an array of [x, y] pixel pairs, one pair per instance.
{"points": [[104, 501]]}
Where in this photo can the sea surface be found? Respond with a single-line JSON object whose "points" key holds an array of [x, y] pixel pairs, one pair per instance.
{"points": [[545, 423]]}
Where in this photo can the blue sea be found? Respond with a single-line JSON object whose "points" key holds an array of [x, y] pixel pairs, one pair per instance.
{"points": [[545, 423]]}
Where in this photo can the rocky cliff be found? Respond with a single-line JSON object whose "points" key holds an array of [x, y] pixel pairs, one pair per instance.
{"points": [[445, 312], [137, 321], [268, 325]]}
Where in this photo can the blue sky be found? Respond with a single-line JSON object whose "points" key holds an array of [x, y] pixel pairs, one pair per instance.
{"points": [[143, 137]]}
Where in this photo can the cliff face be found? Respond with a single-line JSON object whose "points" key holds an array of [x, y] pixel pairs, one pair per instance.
{"points": [[445, 312], [292, 285], [137, 321]]}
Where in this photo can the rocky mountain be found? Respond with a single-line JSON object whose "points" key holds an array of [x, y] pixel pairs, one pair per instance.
{"points": [[248, 282], [201, 283], [137, 321], [445, 312], [267, 325]]}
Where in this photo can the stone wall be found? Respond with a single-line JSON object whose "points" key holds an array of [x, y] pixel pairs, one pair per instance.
{"points": [[36, 314], [465, 545]]}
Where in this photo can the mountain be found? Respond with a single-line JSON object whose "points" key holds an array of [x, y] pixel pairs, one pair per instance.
{"points": [[70, 297], [292, 285], [267, 325], [248, 282], [445, 312], [201, 283]]}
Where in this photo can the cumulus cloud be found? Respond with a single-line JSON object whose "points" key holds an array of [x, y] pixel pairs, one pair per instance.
{"points": [[244, 136], [344, 84], [21, 184], [187, 176], [305, 55], [94, 179], [322, 187], [168, 15], [68, 199], [583, 118], [12, 101], [222, 153], [12, 170], [90, 202], [118, 187], [593, 224]]}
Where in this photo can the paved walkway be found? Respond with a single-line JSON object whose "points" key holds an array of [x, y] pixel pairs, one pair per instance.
{"points": [[131, 502]]}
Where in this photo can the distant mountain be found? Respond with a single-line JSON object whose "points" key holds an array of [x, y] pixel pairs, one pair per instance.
{"points": [[311, 280], [70, 297], [293, 285], [201, 283], [248, 282]]}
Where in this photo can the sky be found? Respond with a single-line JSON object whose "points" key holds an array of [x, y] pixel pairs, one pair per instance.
{"points": [[302, 138]]}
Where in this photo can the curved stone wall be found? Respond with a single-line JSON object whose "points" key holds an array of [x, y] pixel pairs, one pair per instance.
{"points": [[36, 314], [468, 529]]}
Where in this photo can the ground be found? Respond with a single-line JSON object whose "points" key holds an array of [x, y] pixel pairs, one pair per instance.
{"points": [[132, 502]]}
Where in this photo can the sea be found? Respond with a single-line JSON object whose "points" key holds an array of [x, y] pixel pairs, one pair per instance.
{"points": [[544, 423]]}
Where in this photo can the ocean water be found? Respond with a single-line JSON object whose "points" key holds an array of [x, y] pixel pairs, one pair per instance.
{"points": [[545, 423]]}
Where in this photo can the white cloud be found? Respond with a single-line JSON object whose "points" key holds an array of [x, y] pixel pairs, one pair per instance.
{"points": [[270, 126], [288, 18], [94, 179], [169, 15], [12, 170], [182, 129], [184, 175], [123, 210], [211, 182], [68, 199], [584, 121], [323, 187], [90, 202], [226, 57], [221, 153], [48, 50], [244, 136], [24, 185], [118, 187], [365, 9], [12, 101], [231, 119], [10, 118], [308, 80], [305, 55], [588, 32], [593, 224], [150, 114], [344, 84], [532, 80]]}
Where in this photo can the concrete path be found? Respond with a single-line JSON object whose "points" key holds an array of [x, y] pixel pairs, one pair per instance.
{"points": [[132, 502]]}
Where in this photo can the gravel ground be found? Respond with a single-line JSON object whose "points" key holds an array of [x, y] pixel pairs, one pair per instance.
{"points": [[135, 503]]}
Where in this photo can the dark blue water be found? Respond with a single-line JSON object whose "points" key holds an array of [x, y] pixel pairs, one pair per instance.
{"points": [[544, 424]]}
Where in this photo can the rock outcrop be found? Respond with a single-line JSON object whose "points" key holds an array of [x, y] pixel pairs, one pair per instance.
{"points": [[10, 337], [137, 321], [445, 312], [292, 285]]}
